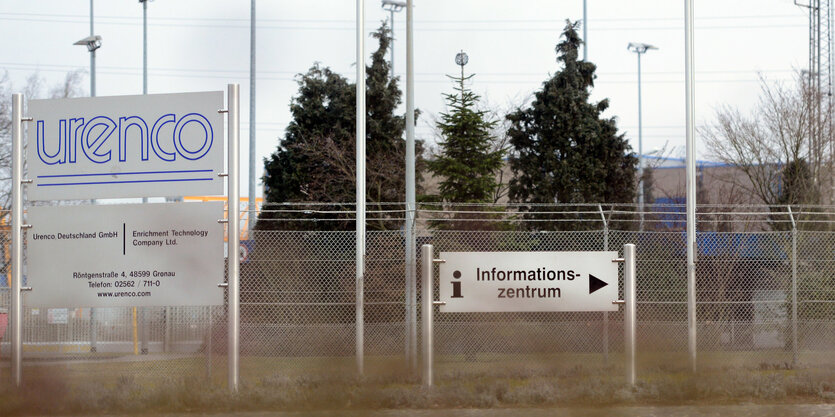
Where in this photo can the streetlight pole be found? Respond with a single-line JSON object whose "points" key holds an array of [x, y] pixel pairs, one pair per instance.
{"points": [[251, 207], [92, 43], [360, 193], [640, 49], [142, 311], [411, 243], [585, 32], [392, 6]]}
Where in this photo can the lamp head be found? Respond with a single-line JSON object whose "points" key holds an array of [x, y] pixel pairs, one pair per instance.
{"points": [[393, 5], [92, 42], [640, 48]]}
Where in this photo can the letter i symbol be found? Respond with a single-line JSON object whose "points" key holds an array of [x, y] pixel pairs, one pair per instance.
{"points": [[456, 285]]}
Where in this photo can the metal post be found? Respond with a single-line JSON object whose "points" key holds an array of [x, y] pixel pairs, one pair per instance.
{"points": [[629, 310], [93, 347], [209, 346], [143, 316], [17, 238], [640, 151], [691, 181], [360, 219], [794, 288], [585, 32], [392, 41], [92, 57], [411, 206], [605, 313], [144, 46], [427, 296], [233, 226], [251, 205]]}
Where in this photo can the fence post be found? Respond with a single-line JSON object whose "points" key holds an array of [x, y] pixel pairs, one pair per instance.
{"points": [[605, 313], [794, 287], [427, 276], [629, 315]]}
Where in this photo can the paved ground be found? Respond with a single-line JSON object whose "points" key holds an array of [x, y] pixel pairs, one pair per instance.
{"points": [[802, 410]]}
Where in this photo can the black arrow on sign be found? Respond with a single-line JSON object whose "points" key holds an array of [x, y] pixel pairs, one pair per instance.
{"points": [[595, 283]]}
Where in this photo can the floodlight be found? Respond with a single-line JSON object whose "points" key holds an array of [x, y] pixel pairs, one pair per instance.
{"points": [[92, 42]]}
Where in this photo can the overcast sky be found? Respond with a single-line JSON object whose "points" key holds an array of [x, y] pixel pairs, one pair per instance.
{"points": [[201, 45]]}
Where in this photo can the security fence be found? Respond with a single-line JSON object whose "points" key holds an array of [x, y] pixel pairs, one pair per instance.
{"points": [[765, 298]]}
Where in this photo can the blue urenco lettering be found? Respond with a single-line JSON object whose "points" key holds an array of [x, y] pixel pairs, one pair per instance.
{"points": [[101, 139]]}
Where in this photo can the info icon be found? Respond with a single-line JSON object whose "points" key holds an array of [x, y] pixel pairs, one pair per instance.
{"points": [[456, 285]]}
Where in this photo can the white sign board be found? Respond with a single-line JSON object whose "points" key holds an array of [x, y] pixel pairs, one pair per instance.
{"points": [[125, 255], [125, 146], [528, 281]]}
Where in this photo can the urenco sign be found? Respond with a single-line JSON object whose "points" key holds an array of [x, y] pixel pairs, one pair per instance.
{"points": [[126, 146]]}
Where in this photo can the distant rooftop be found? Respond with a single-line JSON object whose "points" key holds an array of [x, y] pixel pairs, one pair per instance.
{"points": [[661, 162]]}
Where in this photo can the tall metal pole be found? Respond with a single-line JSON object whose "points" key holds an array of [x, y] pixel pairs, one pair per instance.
{"points": [[234, 231], [411, 207], [640, 150], [251, 206], [360, 219], [143, 310], [144, 46], [794, 287], [17, 238], [392, 41], [691, 180], [640, 49], [92, 57], [585, 32], [93, 344]]}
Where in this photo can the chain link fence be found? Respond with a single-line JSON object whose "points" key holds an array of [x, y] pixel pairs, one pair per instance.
{"points": [[765, 298]]}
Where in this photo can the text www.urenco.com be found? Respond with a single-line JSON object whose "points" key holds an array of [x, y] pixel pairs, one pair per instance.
{"points": [[125, 294]]}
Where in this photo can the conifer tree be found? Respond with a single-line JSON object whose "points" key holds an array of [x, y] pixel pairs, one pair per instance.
{"points": [[315, 161], [563, 151], [467, 161]]}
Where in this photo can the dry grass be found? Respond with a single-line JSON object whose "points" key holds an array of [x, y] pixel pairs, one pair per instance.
{"points": [[330, 383]]}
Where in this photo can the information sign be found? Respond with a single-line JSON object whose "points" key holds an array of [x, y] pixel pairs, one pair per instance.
{"points": [[125, 255], [528, 281]]}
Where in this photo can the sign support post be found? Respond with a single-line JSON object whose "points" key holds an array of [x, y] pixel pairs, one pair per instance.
{"points": [[17, 238], [464, 260], [427, 308], [234, 233], [629, 315]]}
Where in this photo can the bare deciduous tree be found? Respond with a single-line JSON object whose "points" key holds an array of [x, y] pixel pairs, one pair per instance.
{"points": [[781, 148], [33, 89]]}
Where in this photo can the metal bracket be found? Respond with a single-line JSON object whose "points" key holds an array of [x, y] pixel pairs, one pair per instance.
{"points": [[439, 261], [26, 181], [619, 302], [439, 303], [27, 119], [223, 221], [22, 289], [222, 174], [618, 260], [223, 284], [25, 226], [223, 111]]}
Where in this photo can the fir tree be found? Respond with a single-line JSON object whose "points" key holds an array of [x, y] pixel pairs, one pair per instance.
{"points": [[467, 161], [563, 150], [315, 161]]}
